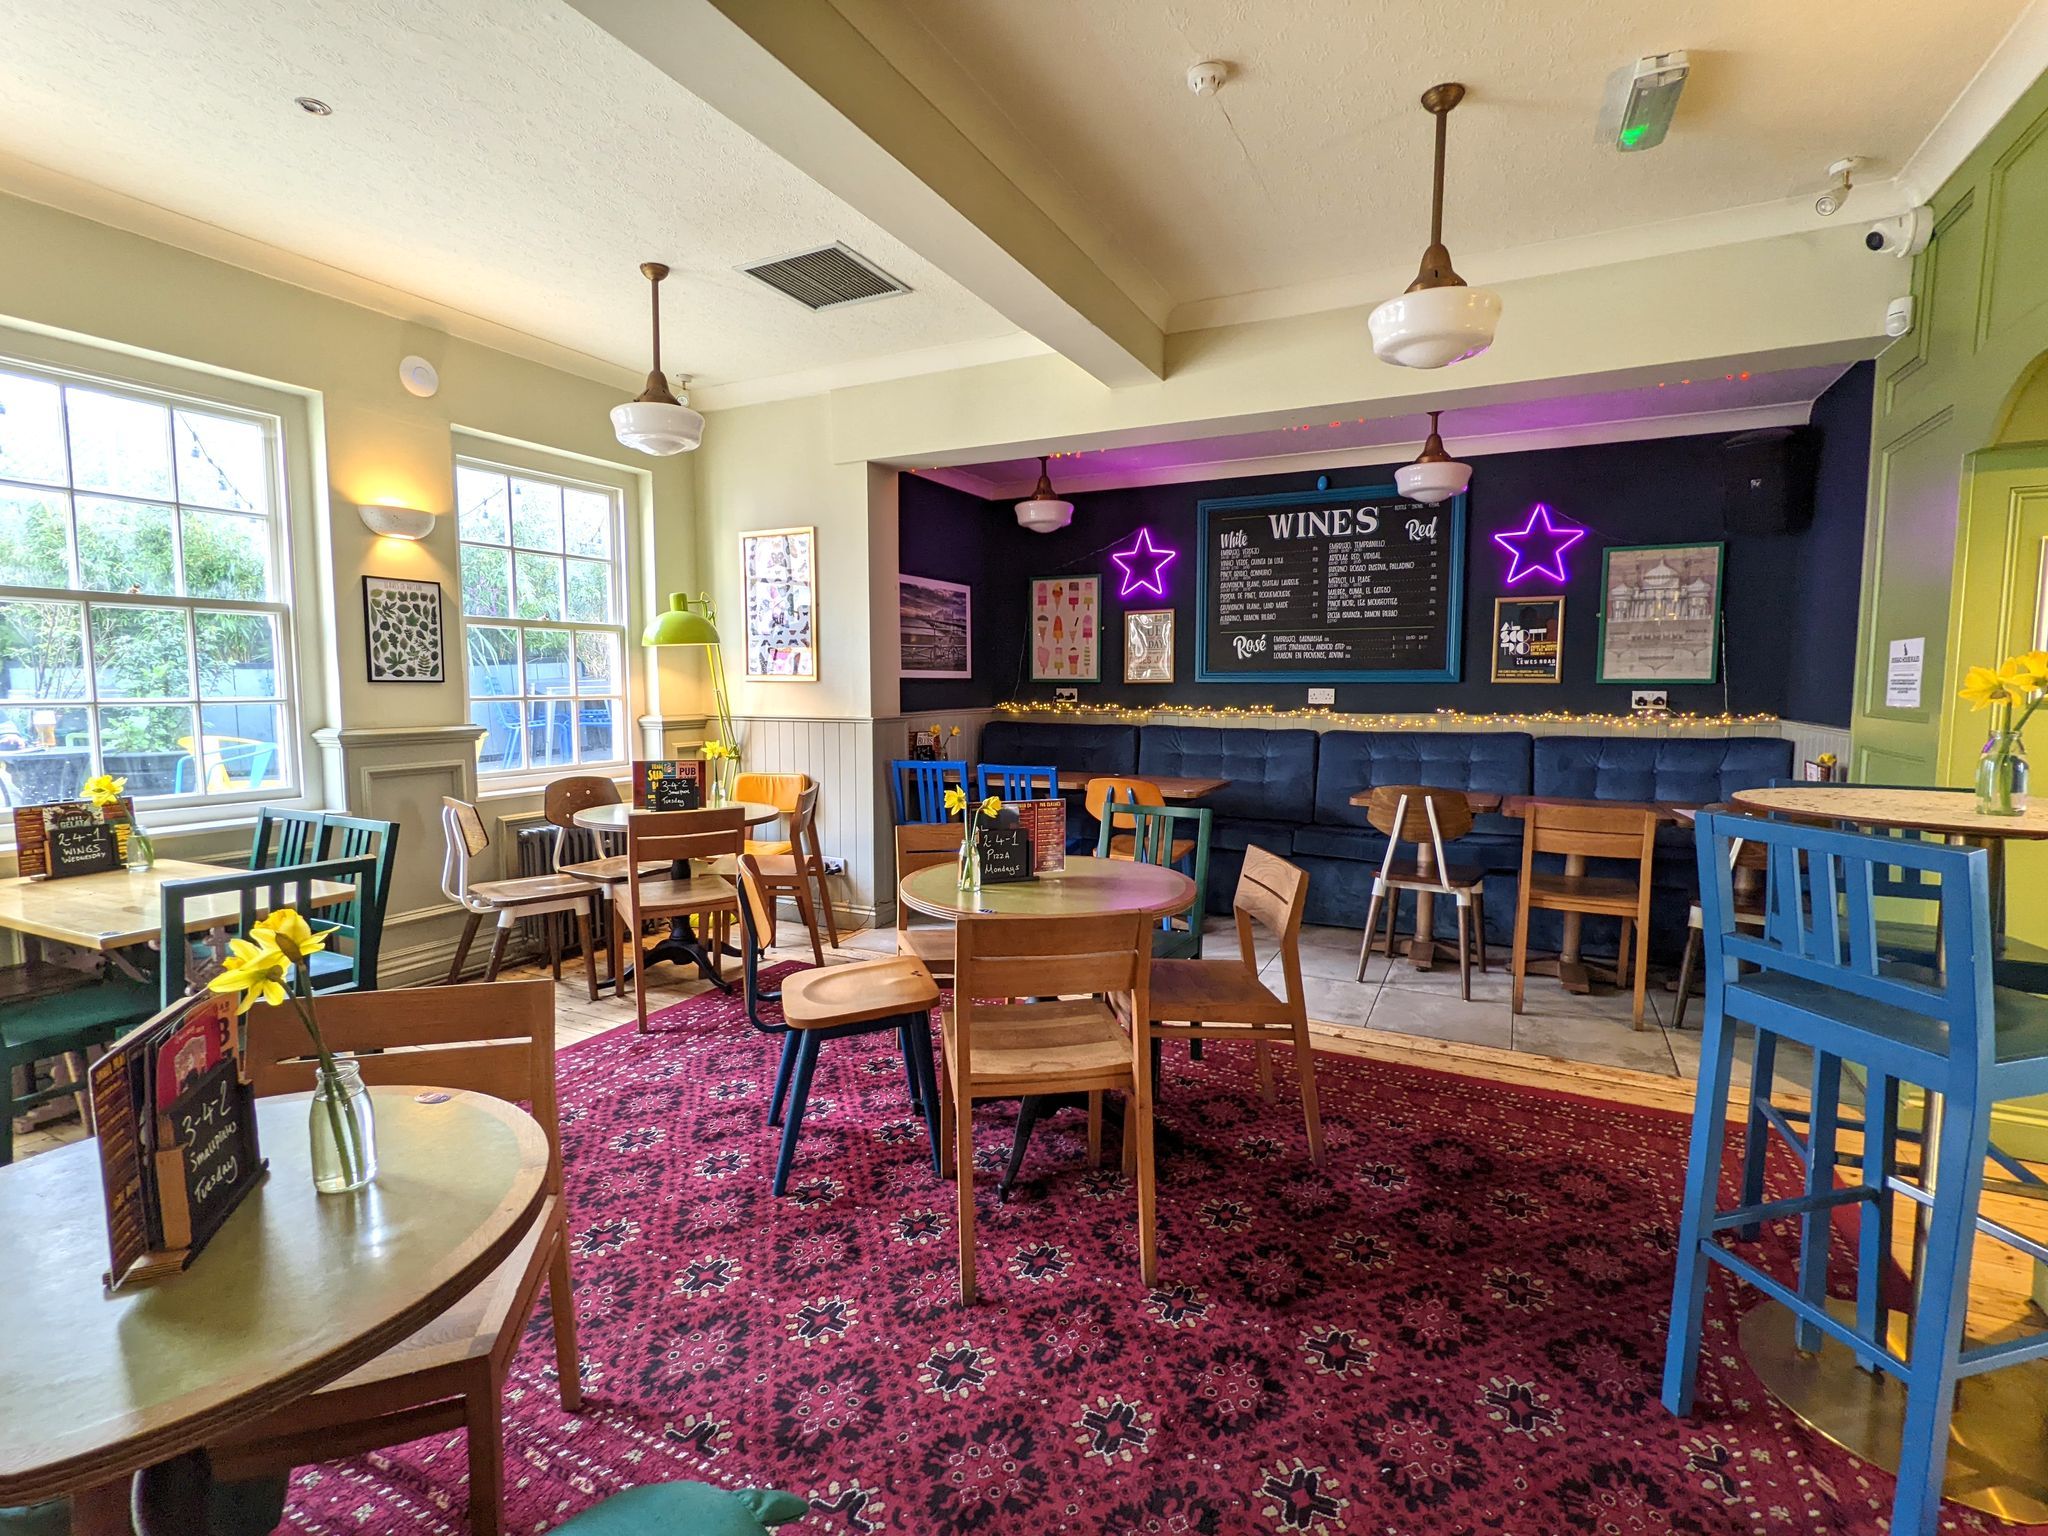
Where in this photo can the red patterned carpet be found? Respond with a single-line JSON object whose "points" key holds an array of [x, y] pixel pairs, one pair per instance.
{"points": [[1455, 1327]]}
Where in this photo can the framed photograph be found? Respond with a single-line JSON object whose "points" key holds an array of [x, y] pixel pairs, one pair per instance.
{"points": [[1148, 645], [1660, 615], [1066, 629], [402, 630], [778, 575], [1528, 639], [934, 628]]}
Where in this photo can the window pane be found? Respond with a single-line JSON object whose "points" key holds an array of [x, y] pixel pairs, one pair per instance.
{"points": [[227, 555], [486, 582], [124, 546], [590, 592], [536, 514], [237, 656], [547, 661], [597, 663], [119, 445], [149, 745], [499, 747], [481, 499], [540, 586], [45, 753], [42, 650], [493, 661], [596, 730], [548, 723], [31, 430], [222, 463], [32, 552], [590, 522], [243, 746], [139, 653]]}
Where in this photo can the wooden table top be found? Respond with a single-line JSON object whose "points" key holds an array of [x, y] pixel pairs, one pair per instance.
{"points": [[295, 1290], [613, 818], [125, 906], [1085, 888], [1171, 787], [1949, 811], [1478, 799], [1663, 810]]}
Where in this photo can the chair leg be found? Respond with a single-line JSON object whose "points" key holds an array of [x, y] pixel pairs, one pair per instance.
{"points": [[1702, 1185], [1816, 1227], [1138, 1126], [784, 1069], [586, 923], [809, 915], [1642, 937], [1874, 1231], [963, 1178], [1095, 1128], [1305, 1071], [1262, 1054], [562, 1306], [498, 947], [919, 1033], [817, 872], [483, 1412], [799, 1094], [945, 1076], [1686, 962], [1372, 917], [462, 947], [615, 940], [911, 1077], [1519, 959], [1756, 1136], [1465, 950], [549, 926], [639, 977], [1479, 926]]}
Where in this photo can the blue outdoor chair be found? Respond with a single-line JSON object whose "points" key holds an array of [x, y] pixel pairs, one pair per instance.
{"points": [[1820, 979], [1010, 781], [919, 788]]}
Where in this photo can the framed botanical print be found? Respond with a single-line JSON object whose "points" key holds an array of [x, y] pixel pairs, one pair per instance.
{"points": [[1148, 645], [402, 630], [934, 628], [1066, 632], [1660, 614], [778, 576]]}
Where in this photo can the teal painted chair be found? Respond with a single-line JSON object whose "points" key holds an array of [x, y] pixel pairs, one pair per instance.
{"points": [[686, 1509], [358, 926], [287, 837], [1175, 836], [63, 1025], [256, 892]]}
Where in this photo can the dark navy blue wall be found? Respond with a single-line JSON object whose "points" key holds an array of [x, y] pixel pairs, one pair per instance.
{"points": [[1788, 599]]}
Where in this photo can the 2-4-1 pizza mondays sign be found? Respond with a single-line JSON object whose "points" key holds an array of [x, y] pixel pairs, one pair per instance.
{"points": [[1358, 585]]}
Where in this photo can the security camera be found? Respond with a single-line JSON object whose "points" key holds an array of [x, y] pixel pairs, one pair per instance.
{"points": [[1829, 203], [1906, 235]]}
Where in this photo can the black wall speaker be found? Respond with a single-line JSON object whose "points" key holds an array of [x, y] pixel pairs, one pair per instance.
{"points": [[1767, 481]]}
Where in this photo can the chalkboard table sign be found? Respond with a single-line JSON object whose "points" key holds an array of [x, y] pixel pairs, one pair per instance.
{"points": [[1006, 856], [71, 837], [81, 845], [669, 786], [1358, 585]]}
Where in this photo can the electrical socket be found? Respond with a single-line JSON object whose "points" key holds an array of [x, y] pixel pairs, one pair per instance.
{"points": [[1322, 696], [1644, 701], [1066, 695]]}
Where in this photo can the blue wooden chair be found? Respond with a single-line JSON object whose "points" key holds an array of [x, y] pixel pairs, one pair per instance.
{"points": [[1011, 781], [1819, 978], [835, 1002], [919, 788]]}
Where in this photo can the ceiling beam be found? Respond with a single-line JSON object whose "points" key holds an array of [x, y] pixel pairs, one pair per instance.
{"points": [[802, 80]]}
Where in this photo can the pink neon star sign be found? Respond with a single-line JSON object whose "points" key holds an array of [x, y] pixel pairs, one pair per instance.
{"points": [[1537, 547], [1144, 566]]}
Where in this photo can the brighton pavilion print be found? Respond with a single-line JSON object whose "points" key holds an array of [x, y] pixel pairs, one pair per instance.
{"points": [[1660, 618], [402, 622]]}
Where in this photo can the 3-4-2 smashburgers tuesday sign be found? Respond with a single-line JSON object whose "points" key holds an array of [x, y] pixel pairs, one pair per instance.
{"points": [[1357, 586]]}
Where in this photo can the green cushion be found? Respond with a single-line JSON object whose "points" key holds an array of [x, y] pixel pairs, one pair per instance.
{"points": [[49, 1519], [685, 1509], [109, 1007]]}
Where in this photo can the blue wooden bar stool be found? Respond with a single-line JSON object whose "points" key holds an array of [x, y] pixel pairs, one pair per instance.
{"points": [[1819, 978], [832, 1002], [918, 787]]}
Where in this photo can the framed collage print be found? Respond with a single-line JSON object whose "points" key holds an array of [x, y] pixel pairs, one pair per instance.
{"points": [[779, 576]]}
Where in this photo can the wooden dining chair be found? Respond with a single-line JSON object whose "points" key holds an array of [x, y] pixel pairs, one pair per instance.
{"points": [[1223, 999], [450, 1375], [920, 847], [1580, 832], [1750, 861], [658, 838], [1104, 799], [1031, 1015], [781, 790], [794, 870], [508, 901], [1426, 819], [589, 855]]}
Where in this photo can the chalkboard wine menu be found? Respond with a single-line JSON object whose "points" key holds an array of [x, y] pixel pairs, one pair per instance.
{"points": [[71, 837], [1345, 586], [176, 1128], [669, 786]]}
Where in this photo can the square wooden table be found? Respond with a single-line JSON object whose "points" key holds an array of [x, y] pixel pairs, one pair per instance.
{"points": [[124, 907]]}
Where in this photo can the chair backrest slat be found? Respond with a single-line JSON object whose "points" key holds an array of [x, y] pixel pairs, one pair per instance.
{"points": [[780, 790], [1015, 781], [1002, 958], [918, 787], [1596, 831], [1154, 831], [920, 847], [257, 893], [287, 837], [706, 834]]}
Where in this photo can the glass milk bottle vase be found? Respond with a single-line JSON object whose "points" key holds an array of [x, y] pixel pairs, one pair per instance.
{"points": [[2002, 770], [344, 1130]]}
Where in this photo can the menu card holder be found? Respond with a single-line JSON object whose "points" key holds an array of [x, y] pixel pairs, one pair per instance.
{"points": [[1005, 855], [1045, 821], [676, 785]]}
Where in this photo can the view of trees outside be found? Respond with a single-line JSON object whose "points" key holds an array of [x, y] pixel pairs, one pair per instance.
{"points": [[538, 565], [108, 494]]}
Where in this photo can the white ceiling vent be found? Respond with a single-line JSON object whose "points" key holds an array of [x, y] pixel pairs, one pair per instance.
{"points": [[827, 278]]}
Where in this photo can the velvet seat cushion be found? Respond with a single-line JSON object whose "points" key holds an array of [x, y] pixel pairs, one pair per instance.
{"points": [[686, 1509]]}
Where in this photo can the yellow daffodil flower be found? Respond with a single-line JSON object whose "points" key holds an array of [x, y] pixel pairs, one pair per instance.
{"points": [[991, 805], [1984, 687], [104, 789], [956, 801], [2035, 665], [954, 732], [257, 971], [289, 934]]}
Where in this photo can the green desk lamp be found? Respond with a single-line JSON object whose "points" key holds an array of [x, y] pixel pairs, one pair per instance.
{"points": [[689, 621]]}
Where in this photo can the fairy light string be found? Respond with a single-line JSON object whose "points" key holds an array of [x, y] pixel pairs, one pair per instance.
{"points": [[1439, 719]]}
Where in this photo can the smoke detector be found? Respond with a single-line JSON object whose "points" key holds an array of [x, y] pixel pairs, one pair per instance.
{"points": [[1207, 77]]}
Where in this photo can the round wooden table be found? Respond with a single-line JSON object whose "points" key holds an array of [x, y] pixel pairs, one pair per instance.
{"points": [[613, 818], [1085, 888], [295, 1290]]}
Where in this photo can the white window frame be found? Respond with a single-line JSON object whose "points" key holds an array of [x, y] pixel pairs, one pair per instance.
{"points": [[287, 776], [491, 458]]}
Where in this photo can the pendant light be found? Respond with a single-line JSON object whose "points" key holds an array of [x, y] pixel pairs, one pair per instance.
{"points": [[1434, 476], [1042, 511], [1439, 320], [657, 422]]}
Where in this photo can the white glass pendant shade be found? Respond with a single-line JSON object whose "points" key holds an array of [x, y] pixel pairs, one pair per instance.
{"points": [[1042, 511], [657, 427], [1434, 327], [1430, 483]]}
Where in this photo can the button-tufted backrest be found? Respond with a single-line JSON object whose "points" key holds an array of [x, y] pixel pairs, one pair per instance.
{"points": [[1272, 773], [1350, 761], [1089, 748], [1676, 770]]}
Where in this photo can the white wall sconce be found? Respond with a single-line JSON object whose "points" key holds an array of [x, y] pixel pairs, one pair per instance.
{"points": [[397, 522]]}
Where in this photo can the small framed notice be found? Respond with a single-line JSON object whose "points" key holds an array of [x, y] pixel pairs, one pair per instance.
{"points": [[1528, 640]]}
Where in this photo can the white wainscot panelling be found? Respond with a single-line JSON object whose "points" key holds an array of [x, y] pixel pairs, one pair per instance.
{"points": [[839, 756]]}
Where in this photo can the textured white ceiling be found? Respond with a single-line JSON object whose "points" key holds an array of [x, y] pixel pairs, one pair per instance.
{"points": [[504, 158], [1313, 162]]}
